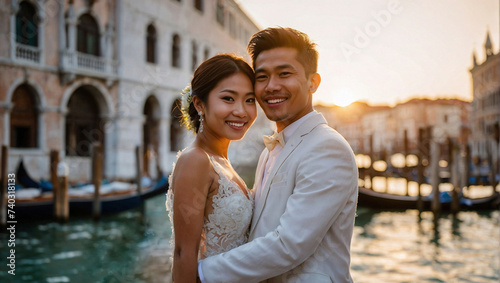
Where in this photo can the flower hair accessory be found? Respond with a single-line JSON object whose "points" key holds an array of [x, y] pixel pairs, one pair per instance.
{"points": [[187, 99]]}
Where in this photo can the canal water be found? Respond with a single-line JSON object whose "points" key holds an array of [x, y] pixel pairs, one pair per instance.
{"points": [[133, 247]]}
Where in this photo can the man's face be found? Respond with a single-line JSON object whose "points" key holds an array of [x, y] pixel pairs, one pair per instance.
{"points": [[281, 87]]}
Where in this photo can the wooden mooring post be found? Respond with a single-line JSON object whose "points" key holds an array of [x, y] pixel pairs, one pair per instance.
{"points": [[139, 160], [464, 167], [159, 171], [493, 164], [96, 178], [54, 161], [371, 171], [435, 154], [420, 169], [406, 170], [467, 162], [62, 212], [453, 163], [3, 189]]}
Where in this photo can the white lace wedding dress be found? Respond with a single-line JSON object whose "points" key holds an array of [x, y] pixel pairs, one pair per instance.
{"points": [[226, 227]]}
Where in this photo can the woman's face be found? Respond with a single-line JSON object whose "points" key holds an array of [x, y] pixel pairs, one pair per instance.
{"points": [[231, 108]]}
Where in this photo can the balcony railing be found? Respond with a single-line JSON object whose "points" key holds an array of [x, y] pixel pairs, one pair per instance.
{"points": [[28, 53], [91, 62], [77, 62]]}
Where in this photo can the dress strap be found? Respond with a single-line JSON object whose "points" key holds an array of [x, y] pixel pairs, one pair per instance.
{"points": [[217, 167]]}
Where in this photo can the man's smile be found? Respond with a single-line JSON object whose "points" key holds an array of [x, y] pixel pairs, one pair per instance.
{"points": [[275, 100]]}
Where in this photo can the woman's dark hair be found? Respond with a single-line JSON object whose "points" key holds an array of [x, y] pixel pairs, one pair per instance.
{"points": [[271, 38], [210, 73]]}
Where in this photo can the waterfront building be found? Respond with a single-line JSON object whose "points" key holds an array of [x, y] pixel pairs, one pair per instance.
{"points": [[347, 121], [75, 72], [384, 127], [445, 118], [485, 113]]}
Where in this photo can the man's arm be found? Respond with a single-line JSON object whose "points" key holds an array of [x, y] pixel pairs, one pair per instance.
{"points": [[326, 178]]}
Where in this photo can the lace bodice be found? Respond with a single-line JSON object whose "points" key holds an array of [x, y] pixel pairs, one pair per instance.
{"points": [[226, 227]]}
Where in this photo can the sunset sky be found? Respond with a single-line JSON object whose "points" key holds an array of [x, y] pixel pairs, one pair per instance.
{"points": [[387, 51]]}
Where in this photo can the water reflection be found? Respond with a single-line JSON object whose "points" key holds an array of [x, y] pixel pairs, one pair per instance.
{"points": [[390, 246], [410, 247]]}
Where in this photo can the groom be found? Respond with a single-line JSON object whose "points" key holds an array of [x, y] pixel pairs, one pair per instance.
{"points": [[306, 183]]}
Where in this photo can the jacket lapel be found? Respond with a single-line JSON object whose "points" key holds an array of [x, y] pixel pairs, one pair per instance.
{"points": [[290, 146]]}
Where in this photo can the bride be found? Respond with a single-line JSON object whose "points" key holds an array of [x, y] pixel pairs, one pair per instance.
{"points": [[208, 203]]}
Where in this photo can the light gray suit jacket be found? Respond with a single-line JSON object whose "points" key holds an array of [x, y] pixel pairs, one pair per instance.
{"points": [[302, 225]]}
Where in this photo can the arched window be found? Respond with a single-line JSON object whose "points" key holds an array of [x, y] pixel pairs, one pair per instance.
{"points": [[27, 25], [82, 123], [198, 4], [88, 35], [220, 12], [194, 55], [151, 44], [232, 25], [206, 53], [24, 118], [151, 133], [176, 51], [176, 127]]}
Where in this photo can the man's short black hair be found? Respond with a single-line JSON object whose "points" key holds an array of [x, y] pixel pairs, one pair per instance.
{"points": [[271, 38]]}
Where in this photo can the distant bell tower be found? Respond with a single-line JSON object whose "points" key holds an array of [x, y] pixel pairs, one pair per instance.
{"points": [[488, 46]]}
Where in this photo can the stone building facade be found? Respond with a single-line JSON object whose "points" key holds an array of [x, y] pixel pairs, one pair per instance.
{"points": [[485, 113], [386, 126], [75, 72]]}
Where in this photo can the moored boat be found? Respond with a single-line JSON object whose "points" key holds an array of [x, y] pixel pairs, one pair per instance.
{"points": [[42, 206], [34, 200], [378, 200]]}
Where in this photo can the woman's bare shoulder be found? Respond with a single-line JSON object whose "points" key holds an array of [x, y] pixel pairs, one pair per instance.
{"points": [[193, 155], [193, 161]]}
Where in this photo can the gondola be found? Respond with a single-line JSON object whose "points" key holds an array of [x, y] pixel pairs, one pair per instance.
{"points": [[25, 180], [385, 201], [42, 206]]}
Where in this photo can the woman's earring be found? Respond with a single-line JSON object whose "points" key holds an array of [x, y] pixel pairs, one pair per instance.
{"points": [[201, 121]]}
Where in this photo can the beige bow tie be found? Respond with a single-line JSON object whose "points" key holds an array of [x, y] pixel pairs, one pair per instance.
{"points": [[271, 141]]}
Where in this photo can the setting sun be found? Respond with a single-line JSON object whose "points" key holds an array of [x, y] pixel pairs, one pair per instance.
{"points": [[340, 97], [343, 98], [343, 101]]}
